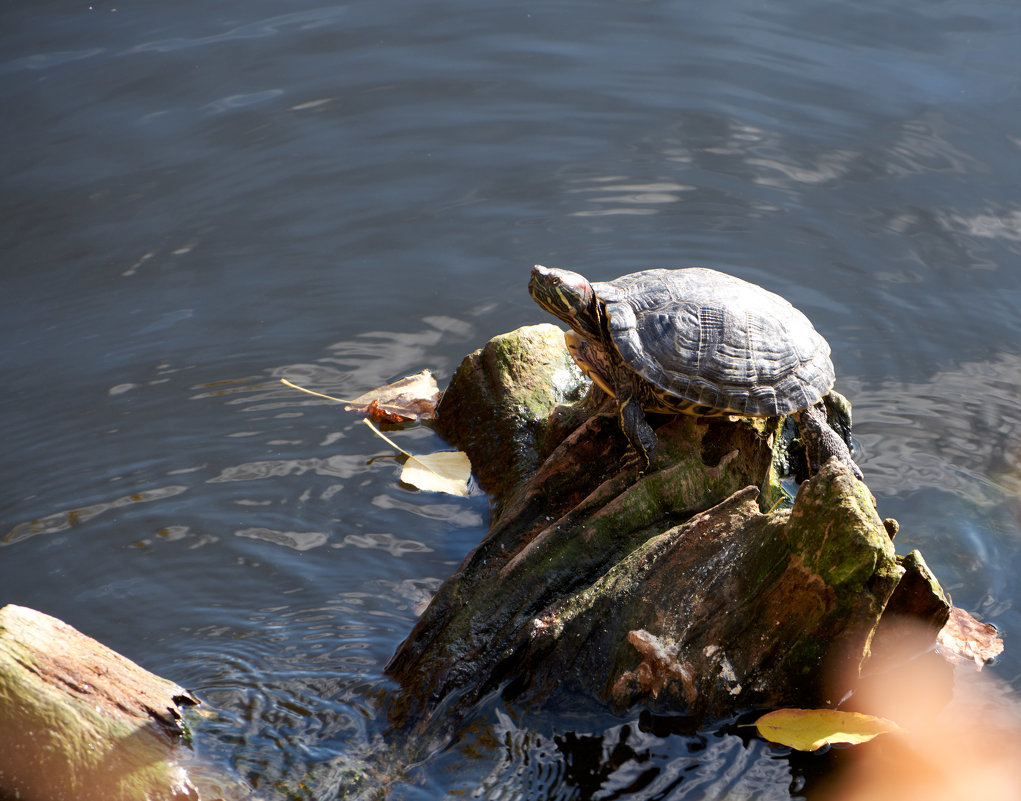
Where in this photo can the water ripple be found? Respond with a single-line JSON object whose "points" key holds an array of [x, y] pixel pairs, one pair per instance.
{"points": [[921, 147], [959, 431], [384, 541], [232, 102], [630, 760], [339, 466], [1001, 224], [295, 540], [43, 61], [454, 514], [616, 195], [303, 20], [61, 521]]}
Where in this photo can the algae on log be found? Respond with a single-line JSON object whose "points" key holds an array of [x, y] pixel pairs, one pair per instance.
{"points": [[750, 608], [673, 588], [79, 721], [499, 399]]}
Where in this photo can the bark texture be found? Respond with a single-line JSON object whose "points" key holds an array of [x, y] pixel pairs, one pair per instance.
{"points": [[679, 589], [79, 721]]}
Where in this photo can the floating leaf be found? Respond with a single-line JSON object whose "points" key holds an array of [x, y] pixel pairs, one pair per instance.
{"points": [[413, 397], [811, 729], [969, 639], [381, 415], [446, 471]]}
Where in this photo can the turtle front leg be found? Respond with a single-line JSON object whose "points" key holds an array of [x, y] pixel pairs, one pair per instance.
{"points": [[821, 441], [636, 428]]}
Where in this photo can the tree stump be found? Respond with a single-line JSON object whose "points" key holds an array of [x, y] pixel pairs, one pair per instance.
{"points": [[679, 589]]}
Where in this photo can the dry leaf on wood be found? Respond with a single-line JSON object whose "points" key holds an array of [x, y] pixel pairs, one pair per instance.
{"points": [[659, 666], [965, 638], [811, 729]]}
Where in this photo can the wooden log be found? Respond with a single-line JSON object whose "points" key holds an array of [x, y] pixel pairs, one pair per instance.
{"points": [[514, 381], [79, 721], [679, 589]]}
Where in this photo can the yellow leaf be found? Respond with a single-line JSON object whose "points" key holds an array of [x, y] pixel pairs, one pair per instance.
{"points": [[446, 471], [811, 729]]}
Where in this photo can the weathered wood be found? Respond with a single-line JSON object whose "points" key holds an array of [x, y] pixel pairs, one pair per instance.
{"points": [[675, 588], [499, 400], [914, 615], [79, 721]]}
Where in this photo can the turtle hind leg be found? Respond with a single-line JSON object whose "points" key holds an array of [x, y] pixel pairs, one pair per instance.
{"points": [[821, 441], [637, 429]]}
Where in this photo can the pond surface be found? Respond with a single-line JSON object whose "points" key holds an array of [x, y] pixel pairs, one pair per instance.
{"points": [[201, 198]]}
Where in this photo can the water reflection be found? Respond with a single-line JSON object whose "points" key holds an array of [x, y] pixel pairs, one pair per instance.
{"points": [[417, 592], [338, 466], [959, 431], [921, 147], [306, 20], [828, 166], [455, 514], [295, 540], [1003, 224], [384, 541], [614, 195], [643, 758], [62, 521]]}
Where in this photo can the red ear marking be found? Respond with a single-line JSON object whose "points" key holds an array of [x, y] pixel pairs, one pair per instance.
{"points": [[575, 281]]}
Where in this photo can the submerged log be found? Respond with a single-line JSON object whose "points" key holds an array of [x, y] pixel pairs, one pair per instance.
{"points": [[681, 589], [79, 721]]}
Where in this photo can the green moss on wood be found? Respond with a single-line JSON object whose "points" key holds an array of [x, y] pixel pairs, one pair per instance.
{"points": [[756, 608]]}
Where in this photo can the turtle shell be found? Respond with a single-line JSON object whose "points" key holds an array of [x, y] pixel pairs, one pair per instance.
{"points": [[708, 342]]}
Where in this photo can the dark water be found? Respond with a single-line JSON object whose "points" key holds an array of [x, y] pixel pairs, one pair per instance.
{"points": [[200, 198]]}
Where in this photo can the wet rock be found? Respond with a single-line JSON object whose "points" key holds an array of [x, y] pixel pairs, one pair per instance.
{"points": [[918, 598]]}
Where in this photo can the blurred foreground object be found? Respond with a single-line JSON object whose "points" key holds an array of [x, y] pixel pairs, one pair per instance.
{"points": [[960, 734]]}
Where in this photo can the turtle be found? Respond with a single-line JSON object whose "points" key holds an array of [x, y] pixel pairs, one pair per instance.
{"points": [[694, 341]]}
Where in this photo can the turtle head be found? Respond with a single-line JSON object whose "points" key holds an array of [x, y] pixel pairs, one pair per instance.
{"points": [[568, 296]]}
